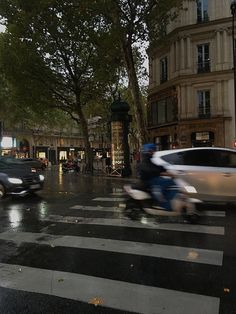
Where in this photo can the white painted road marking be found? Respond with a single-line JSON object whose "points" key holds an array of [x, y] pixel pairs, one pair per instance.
{"points": [[98, 208], [114, 294], [145, 223], [210, 213], [109, 199], [129, 247]]}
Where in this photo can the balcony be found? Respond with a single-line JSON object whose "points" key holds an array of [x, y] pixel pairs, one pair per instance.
{"points": [[204, 66], [204, 111], [202, 19], [163, 79]]}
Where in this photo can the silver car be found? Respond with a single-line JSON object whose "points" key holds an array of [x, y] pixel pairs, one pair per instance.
{"points": [[211, 170]]}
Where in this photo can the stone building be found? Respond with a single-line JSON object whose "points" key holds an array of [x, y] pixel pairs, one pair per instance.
{"points": [[191, 83], [56, 144]]}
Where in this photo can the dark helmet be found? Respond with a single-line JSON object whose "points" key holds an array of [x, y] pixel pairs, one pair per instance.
{"points": [[148, 148]]}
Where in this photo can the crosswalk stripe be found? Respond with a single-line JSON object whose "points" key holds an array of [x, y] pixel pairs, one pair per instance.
{"points": [[111, 293], [215, 213], [186, 254], [97, 208], [145, 223], [210, 213], [109, 199]]}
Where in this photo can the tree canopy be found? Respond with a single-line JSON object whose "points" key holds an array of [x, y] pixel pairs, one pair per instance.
{"points": [[49, 54], [68, 54]]}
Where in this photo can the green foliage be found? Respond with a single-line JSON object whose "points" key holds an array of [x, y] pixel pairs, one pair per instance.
{"points": [[70, 55], [50, 56]]}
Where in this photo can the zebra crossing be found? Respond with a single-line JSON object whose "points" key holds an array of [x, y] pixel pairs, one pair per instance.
{"points": [[110, 261]]}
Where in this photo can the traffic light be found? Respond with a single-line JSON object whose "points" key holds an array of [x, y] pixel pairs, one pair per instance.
{"points": [[234, 143]]}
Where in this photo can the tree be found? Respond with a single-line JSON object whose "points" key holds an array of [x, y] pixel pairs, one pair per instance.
{"points": [[49, 57], [132, 23]]}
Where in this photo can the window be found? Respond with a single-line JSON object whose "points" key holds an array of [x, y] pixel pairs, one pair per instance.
{"points": [[167, 110], [162, 111], [226, 159], [204, 105], [202, 11], [163, 70], [152, 114], [203, 58], [202, 158], [174, 159]]}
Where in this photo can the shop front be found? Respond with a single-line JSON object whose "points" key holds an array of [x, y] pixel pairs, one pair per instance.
{"points": [[201, 139], [65, 153], [8, 146], [40, 152]]}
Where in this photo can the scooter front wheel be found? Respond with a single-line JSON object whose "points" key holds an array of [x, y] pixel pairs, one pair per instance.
{"points": [[133, 208], [192, 219]]}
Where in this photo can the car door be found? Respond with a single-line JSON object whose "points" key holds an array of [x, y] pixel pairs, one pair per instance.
{"points": [[226, 170]]}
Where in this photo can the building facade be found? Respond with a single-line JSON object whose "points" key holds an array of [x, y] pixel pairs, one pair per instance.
{"points": [[191, 79], [55, 144]]}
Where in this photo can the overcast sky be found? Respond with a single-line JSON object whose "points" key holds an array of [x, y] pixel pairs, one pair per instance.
{"points": [[2, 28]]}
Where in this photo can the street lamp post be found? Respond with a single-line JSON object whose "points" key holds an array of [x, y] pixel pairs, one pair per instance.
{"points": [[233, 12]]}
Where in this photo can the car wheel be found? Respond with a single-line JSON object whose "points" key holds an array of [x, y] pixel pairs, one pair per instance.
{"points": [[2, 191]]}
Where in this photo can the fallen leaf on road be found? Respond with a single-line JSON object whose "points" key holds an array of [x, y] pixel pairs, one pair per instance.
{"points": [[60, 280], [96, 301]]}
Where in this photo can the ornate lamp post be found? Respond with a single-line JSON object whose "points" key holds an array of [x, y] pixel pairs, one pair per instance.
{"points": [[233, 12]]}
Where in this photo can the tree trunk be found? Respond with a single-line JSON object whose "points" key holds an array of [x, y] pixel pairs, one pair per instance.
{"points": [[88, 149], [135, 92]]}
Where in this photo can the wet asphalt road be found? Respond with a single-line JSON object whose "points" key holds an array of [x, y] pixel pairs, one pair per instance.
{"points": [[70, 249]]}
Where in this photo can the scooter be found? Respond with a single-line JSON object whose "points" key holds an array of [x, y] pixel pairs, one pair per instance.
{"points": [[68, 167], [140, 201]]}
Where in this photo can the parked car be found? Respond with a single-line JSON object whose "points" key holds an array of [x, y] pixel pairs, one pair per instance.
{"points": [[17, 179], [211, 170]]}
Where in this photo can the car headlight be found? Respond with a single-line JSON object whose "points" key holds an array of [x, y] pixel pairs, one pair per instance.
{"points": [[15, 180], [190, 189], [41, 177]]}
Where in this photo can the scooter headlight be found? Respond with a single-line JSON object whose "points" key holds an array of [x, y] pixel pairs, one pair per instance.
{"points": [[190, 189]]}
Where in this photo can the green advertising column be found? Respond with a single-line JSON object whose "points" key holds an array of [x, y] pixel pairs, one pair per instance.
{"points": [[120, 153]]}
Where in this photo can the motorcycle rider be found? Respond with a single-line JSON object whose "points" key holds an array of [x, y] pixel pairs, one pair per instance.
{"points": [[152, 177]]}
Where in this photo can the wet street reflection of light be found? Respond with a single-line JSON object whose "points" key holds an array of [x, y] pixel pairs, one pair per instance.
{"points": [[43, 209], [192, 255], [144, 220], [60, 175], [16, 207], [15, 217]]}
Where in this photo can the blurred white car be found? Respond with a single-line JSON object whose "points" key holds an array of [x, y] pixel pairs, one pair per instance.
{"points": [[211, 170]]}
